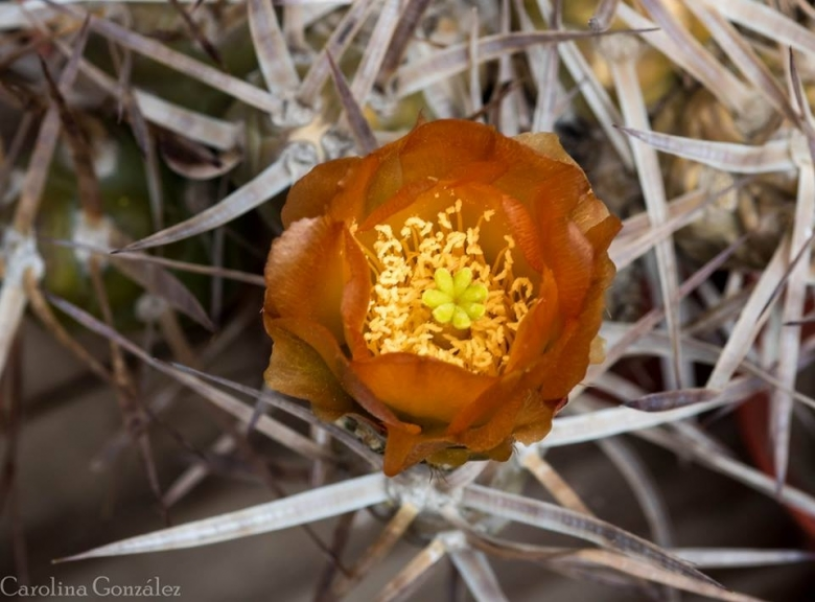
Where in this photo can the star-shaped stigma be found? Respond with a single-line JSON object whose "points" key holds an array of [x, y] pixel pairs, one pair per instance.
{"points": [[456, 299]]}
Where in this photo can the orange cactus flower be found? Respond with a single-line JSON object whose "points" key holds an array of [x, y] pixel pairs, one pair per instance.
{"points": [[448, 289]]}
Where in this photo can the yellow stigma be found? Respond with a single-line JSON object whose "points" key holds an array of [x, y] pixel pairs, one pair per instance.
{"points": [[456, 299], [434, 275]]}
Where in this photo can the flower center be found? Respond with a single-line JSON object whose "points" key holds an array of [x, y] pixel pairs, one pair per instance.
{"points": [[436, 295]]}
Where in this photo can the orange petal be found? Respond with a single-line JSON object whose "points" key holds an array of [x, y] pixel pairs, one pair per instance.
{"points": [[539, 181], [539, 328], [492, 440], [571, 256], [356, 296], [424, 390], [534, 421], [476, 198], [497, 431], [411, 198], [524, 232], [491, 422], [438, 148], [574, 355], [312, 194], [387, 180], [345, 189], [563, 364], [349, 202], [479, 172], [314, 336], [403, 450], [492, 405], [601, 234], [296, 369], [305, 273]]}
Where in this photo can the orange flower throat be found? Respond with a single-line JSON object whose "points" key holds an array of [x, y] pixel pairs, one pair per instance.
{"points": [[436, 295]]}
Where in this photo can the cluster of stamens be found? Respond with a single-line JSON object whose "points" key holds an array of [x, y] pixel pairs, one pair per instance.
{"points": [[436, 295]]}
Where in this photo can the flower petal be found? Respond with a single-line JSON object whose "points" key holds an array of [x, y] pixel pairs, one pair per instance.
{"points": [[421, 389], [539, 328], [349, 202], [524, 231], [388, 178], [355, 296], [403, 199], [345, 189], [534, 421], [438, 148], [492, 405], [428, 200], [305, 273], [564, 362], [571, 257], [403, 450], [311, 196], [576, 350], [296, 369], [484, 429], [444, 191], [541, 177]]}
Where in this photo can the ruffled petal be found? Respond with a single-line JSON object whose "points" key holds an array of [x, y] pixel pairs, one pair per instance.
{"points": [[388, 178], [574, 354], [405, 199], [350, 201], [403, 450], [346, 189], [589, 213], [564, 361], [305, 273]]}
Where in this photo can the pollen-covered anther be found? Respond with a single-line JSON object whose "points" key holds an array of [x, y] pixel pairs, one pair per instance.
{"points": [[456, 299]]}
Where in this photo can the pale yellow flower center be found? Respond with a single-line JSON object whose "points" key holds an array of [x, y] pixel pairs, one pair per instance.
{"points": [[436, 295]]}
